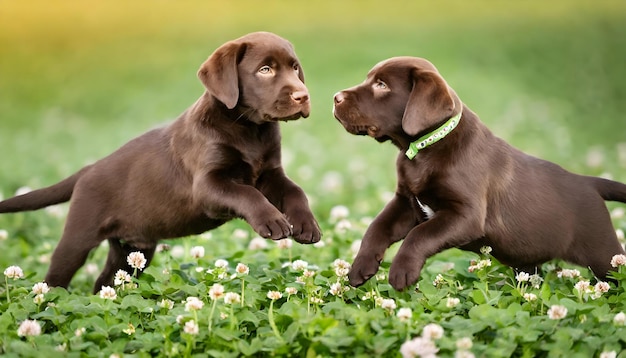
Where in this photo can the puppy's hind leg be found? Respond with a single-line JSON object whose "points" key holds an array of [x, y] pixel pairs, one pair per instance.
{"points": [[71, 252], [117, 260]]}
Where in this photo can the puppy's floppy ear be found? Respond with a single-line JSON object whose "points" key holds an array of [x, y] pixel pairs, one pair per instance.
{"points": [[219, 73], [430, 102]]}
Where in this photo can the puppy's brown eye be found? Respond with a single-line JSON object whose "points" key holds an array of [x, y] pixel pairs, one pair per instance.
{"points": [[265, 70], [380, 85], [296, 68]]}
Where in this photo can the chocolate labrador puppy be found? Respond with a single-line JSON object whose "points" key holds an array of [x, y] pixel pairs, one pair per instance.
{"points": [[219, 160], [460, 186]]}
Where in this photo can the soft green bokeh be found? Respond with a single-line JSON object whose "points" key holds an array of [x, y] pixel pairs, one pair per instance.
{"points": [[78, 79]]}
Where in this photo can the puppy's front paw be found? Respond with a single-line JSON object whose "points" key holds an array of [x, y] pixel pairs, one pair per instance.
{"points": [[404, 272], [305, 229], [362, 270], [273, 227]]}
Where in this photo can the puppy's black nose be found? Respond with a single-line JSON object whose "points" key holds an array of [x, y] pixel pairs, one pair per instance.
{"points": [[300, 96], [339, 97]]}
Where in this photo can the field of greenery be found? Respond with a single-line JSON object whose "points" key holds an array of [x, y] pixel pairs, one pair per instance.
{"points": [[78, 79]]}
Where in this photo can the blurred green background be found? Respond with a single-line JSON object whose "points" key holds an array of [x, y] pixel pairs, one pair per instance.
{"points": [[80, 78]]}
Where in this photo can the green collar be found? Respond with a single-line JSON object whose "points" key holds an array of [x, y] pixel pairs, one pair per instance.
{"points": [[433, 137]]}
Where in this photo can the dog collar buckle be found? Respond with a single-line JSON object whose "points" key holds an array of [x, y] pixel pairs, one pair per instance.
{"points": [[432, 137]]}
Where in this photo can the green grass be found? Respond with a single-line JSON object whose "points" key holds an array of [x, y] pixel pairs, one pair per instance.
{"points": [[79, 79]]}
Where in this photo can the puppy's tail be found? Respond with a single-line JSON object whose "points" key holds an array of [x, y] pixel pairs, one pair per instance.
{"points": [[610, 190], [40, 198]]}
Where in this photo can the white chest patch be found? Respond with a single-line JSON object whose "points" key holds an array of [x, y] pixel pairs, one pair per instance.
{"points": [[425, 208]]}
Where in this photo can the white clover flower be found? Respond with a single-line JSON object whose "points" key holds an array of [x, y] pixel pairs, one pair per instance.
{"points": [[463, 354], [92, 269], [29, 328], [619, 319], [130, 330], [242, 269], [274, 295], [193, 304], [338, 212], [618, 213], [332, 181], [609, 354], [121, 277], [216, 291], [432, 331], [80, 331], [61, 347], [39, 299], [136, 260], [336, 289], [197, 252], [4, 235], [180, 319], [316, 300], [41, 288], [568, 273], [284, 243], [257, 243], [56, 211], [582, 286], [535, 281], [557, 312], [299, 265], [530, 297], [404, 314], [486, 250], [464, 343], [108, 293], [601, 287], [342, 267], [343, 226], [14, 272], [291, 291], [439, 280], [178, 251], [388, 304], [595, 157], [618, 260], [418, 347], [240, 234], [191, 327], [163, 248], [308, 273], [207, 235], [167, 304], [221, 263], [522, 277], [452, 302], [223, 316], [319, 244], [479, 265], [23, 190], [232, 298]]}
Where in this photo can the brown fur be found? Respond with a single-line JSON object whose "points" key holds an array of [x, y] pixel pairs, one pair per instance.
{"points": [[482, 190], [218, 161]]}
